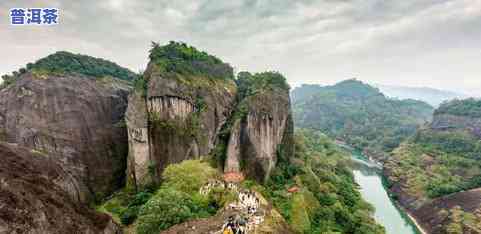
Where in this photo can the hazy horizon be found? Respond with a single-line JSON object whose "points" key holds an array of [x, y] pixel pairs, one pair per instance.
{"points": [[428, 43]]}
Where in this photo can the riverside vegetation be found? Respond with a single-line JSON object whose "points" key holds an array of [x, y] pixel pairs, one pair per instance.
{"points": [[431, 157]]}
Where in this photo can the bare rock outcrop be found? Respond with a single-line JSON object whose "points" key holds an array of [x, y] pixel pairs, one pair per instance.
{"points": [[33, 199], [139, 160], [262, 133], [76, 121]]}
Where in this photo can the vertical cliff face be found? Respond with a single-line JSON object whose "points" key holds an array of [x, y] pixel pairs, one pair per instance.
{"points": [[33, 197], [186, 118], [75, 120], [257, 137], [138, 133], [183, 110], [189, 98]]}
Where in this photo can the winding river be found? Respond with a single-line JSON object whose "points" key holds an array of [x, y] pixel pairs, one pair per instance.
{"points": [[369, 177]]}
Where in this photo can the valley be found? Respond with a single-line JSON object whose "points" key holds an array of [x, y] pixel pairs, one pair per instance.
{"points": [[189, 146], [373, 188]]}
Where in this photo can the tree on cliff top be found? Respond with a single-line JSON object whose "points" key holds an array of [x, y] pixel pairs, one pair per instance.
{"points": [[249, 84], [178, 57]]}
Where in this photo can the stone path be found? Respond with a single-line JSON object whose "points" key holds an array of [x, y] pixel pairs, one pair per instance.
{"points": [[245, 213]]}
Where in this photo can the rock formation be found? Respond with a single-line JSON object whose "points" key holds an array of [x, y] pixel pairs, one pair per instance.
{"points": [[33, 197], [180, 115], [186, 118], [138, 136], [75, 120], [256, 139], [189, 97]]}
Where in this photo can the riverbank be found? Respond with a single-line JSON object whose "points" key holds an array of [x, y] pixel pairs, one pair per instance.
{"points": [[420, 229], [374, 189]]}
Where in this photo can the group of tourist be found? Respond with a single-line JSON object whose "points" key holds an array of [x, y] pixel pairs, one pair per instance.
{"points": [[204, 190], [249, 201], [235, 225], [249, 204]]}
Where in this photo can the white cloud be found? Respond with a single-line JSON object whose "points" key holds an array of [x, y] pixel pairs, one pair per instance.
{"points": [[310, 41]]}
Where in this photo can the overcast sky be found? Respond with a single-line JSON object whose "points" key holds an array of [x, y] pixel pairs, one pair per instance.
{"points": [[434, 43]]}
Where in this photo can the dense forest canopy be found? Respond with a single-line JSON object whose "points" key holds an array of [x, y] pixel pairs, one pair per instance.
{"points": [[470, 107], [360, 115], [328, 200], [178, 57]]}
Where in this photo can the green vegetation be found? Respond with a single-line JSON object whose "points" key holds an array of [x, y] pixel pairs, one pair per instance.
{"points": [[460, 222], [437, 162], [188, 176], [65, 62], [124, 205], [433, 163], [328, 200], [178, 198], [470, 107], [250, 84], [177, 57], [175, 201], [360, 115], [167, 208]]}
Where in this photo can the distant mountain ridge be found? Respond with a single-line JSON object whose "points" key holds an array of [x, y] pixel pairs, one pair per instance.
{"points": [[359, 114], [430, 95]]}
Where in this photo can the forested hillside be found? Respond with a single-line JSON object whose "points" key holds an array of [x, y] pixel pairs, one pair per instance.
{"points": [[439, 163], [359, 114], [327, 199]]}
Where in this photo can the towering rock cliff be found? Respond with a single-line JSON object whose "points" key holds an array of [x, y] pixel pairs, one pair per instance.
{"points": [[139, 160], [188, 97], [262, 124], [188, 106], [74, 119], [33, 197]]}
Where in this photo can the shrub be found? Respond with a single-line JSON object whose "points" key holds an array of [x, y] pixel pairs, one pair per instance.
{"points": [[167, 208], [188, 176], [299, 215], [129, 215]]}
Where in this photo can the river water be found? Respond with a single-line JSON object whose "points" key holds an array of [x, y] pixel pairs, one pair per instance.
{"points": [[369, 177]]}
